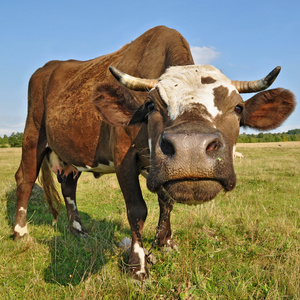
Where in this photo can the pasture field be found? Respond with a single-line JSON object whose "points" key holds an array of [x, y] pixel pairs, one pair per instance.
{"points": [[242, 245]]}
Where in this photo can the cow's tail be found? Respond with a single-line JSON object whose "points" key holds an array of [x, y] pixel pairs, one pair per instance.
{"points": [[51, 194]]}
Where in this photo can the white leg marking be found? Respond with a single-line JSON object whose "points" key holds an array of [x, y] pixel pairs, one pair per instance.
{"points": [[23, 209], [21, 230], [77, 226], [71, 202], [140, 251]]}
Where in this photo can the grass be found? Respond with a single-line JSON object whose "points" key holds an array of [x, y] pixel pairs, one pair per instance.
{"points": [[242, 245]]}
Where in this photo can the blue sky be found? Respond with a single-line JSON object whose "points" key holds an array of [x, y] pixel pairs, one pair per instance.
{"points": [[245, 39]]}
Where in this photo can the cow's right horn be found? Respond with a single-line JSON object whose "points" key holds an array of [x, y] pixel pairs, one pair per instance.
{"points": [[256, 85], [131, 82]]}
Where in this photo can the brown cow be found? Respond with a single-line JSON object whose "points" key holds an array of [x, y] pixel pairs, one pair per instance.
{"points": [[179, 131]]}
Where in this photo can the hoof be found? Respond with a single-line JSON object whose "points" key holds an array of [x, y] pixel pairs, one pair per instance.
{"points": [[126, 245], [170, 246], [167, 245], [137, 273], [139, 257], [77, 229], [170, 249], [17, 237]]}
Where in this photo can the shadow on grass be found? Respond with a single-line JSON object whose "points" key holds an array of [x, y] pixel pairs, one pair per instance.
{"points": [[73, 259]]}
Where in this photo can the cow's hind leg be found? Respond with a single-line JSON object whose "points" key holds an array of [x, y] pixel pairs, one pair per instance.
{"points": [[68, 187], [33, 152], [163, 236], [24, 188]]}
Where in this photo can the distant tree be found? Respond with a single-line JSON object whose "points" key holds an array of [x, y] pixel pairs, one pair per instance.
{"points": [[4, 141], [15, 139], [260, 135], [294, 132]]}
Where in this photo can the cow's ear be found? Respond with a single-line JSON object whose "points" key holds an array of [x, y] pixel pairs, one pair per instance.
{"points": [[267, 110], [115, 103]]}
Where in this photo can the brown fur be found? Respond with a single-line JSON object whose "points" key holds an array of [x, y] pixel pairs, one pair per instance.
{"points": [[267, 110]]}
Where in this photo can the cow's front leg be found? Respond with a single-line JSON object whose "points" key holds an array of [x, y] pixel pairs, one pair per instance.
{"points": [[136, 214], [163, 236], [68, 187]]}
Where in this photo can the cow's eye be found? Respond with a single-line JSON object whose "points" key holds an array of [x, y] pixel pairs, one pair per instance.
{"points": [[238, 109], [150, 107]]}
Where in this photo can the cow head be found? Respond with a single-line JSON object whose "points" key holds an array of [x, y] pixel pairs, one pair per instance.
{"points": [[193, 114]]}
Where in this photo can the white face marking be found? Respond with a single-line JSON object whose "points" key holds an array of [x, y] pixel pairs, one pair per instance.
{"points": [[140, 251], [101, 168], [23, 209], [181, 86], [71, 202], [76, 225], [21, 230]]}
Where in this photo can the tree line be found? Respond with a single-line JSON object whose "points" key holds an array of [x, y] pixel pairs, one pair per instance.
{"points": [[15, 139], [291, 135]]}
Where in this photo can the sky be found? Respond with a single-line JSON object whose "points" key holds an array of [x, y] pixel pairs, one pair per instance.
{"points": [[244, 39]]}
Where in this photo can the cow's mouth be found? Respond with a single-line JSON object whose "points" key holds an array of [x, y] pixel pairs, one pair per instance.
{"points": [[194, 190]]}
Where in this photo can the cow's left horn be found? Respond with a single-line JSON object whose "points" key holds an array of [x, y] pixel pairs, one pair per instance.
{"points": [[131, 82], [256, 85]]}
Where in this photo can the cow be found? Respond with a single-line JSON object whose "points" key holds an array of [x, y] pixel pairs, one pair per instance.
{"points": [[164, 117], [238, 155]]}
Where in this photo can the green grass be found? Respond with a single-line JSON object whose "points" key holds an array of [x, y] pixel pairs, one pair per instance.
{"points": [[242, 245]]}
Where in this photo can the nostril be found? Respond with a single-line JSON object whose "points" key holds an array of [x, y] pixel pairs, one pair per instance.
{"points": [[213, 146], [166, 146]]}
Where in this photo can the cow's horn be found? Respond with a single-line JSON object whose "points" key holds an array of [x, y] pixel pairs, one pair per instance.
{"points": [[131, 82], [256, 85]]}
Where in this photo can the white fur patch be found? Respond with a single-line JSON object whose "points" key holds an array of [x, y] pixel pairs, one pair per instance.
{"points": [[71, 202], [181, 86], [23, 209], [149, 143], [21, 230], [140, 252], [77, 225], [101, 168]]}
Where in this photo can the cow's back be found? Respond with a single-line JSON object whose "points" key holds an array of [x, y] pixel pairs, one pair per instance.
{"points": [[71, 120]]}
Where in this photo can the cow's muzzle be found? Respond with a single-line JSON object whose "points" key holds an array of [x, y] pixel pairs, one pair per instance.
{"points": [[191, 167]]}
